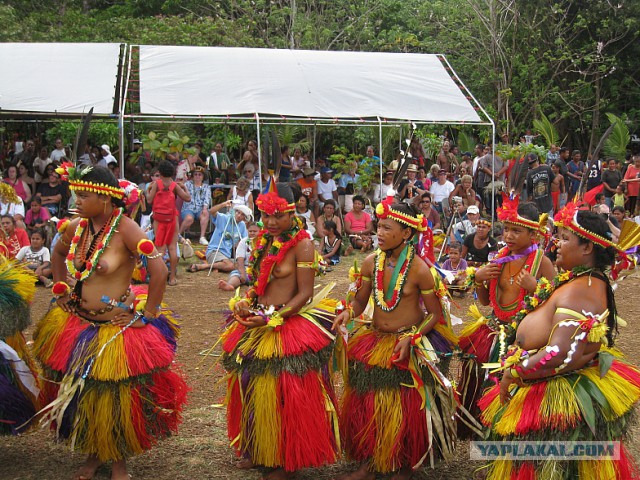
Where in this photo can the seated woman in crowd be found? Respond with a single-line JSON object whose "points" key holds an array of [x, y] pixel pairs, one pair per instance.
{"points": [[199, 204], [303, 211], [52, 192], [20, 186], [328, 214], [359, 225], [477, 246]]}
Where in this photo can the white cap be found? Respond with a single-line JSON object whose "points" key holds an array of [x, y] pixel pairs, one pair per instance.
{"points": [[245, 210], [106, 147]]}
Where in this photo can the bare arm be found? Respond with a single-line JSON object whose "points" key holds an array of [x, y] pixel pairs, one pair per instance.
{"points": [[182, 192]]}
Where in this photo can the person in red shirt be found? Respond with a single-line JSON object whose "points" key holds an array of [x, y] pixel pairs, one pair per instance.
{"points": [[309, 186], [12, 237], [632, 181]]}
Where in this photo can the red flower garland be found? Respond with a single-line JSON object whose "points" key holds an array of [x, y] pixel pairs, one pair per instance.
{"points": [[507, 315], [269, 261]]}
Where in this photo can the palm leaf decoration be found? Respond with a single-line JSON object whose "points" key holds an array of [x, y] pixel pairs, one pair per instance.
{"points": [[466, 142], [547, 129], [295, 136], [615, 146]]}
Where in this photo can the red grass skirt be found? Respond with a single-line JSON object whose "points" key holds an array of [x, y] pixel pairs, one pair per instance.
{"points": [[131, 396], [581, 406], [280, 398], [383, 417]]}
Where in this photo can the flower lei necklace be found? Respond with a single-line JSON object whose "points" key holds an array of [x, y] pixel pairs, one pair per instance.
{"points": [[498, 311], [545, 288], [400, 274], [91, 263], [263, 260]]}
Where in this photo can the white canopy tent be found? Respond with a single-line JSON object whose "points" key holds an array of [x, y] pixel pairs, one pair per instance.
{"points": [[299, 83], [59, 78], [261, 86], [303, 86]]}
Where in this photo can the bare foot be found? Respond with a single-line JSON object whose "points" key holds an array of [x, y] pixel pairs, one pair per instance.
{"points": [[88, 470], [119, 471], [226, 286], [279, 474], [362, 473], [405, 473], [245, 464]]}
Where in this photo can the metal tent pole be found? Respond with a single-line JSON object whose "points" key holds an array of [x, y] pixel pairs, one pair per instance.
{"points": [[259, 150]]}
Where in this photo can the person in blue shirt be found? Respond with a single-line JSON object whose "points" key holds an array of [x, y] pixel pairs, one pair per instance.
{"points": [[229, 229]]}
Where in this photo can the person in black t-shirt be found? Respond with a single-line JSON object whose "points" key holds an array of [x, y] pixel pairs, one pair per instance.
{"points": [[477, 246]]}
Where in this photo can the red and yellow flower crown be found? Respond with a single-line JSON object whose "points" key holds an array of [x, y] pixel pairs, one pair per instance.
{"points": [[384, 210], [70, 173], [271, 203], [508, 212]]}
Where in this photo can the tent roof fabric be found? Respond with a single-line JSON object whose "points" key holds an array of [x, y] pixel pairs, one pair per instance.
{"points": [[218, 81], [59, 77]]}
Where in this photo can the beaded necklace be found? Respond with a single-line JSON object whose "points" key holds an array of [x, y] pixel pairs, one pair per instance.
{"points": [[401, 272], [95, 250]]}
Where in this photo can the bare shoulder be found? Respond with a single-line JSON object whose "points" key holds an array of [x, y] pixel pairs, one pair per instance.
{"points": [[367, 264], [305, 249], [584, 293]]}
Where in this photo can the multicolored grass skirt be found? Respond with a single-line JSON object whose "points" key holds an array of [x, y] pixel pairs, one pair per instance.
{"points": [[108, 394], [18, 378], [585, 405], [396, 415], [280, 399], [18, 386], [481, 341]]}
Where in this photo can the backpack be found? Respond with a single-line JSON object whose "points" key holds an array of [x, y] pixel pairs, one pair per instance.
{"points": [[164, 203]]}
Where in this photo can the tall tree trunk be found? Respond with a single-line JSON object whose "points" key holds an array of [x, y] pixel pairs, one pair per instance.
{"points": [[595, 122]]}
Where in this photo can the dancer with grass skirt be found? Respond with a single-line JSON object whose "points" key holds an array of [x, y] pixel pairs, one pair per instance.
{"points": [[562, 380], [107, 349]]}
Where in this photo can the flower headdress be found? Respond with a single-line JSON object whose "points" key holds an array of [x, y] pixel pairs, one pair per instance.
{"points": [[270, 202], [74, 176], [629, 236], [508, 212], [384, 210]]}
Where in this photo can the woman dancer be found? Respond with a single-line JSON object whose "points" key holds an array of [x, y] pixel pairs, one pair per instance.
{"points": [[106, 354], [561, 381], [280, 401]]}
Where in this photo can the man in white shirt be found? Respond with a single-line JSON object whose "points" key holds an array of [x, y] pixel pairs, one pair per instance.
{"points": [[467, 226], [327, 189], [440, 190], [58, 153]]}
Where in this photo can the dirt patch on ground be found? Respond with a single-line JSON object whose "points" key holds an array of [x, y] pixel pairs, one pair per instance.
{"points": [[201, 450]]}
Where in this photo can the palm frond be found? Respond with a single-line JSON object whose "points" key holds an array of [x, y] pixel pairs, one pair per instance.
{"points": [[547, 129], [466, 142], [615, 146]]}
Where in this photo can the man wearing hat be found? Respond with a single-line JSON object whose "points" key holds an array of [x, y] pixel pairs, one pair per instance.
{"points": [[229, 229], [467, 226], [327, 188], [539, 179], [411, 187], [441, 189]]}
